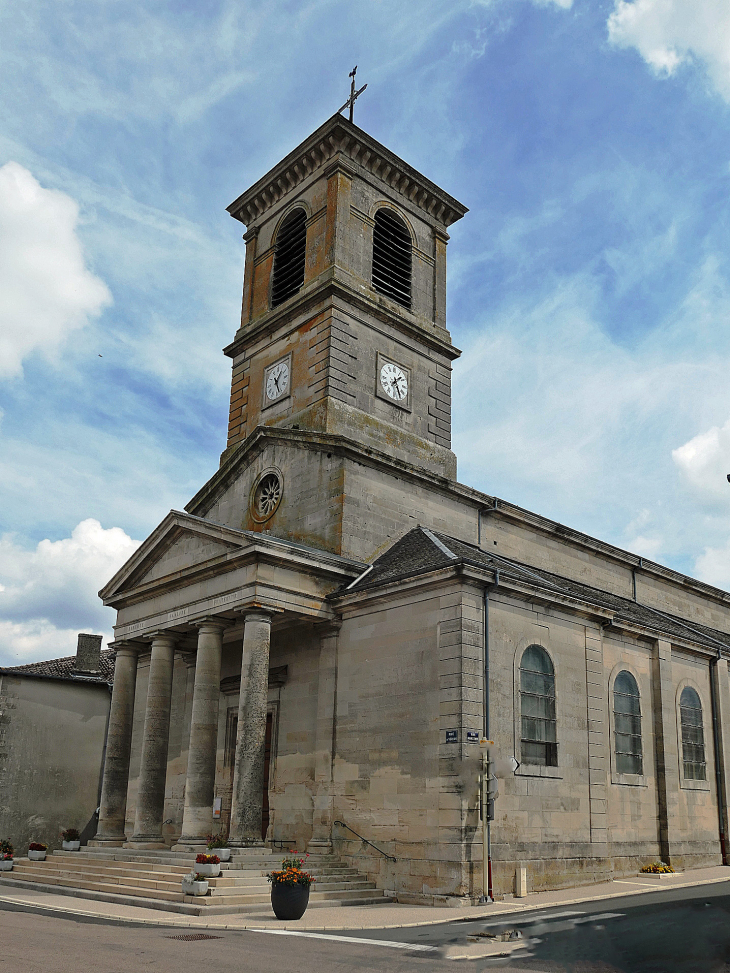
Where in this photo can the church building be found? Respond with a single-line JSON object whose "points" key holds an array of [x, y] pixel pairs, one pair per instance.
{"points": [[311, 651]]}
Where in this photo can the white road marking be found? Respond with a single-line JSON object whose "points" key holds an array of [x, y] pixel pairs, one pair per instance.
{"points": [[600, 916], [420, 947]]}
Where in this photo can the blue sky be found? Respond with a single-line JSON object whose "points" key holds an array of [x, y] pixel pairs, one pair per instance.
{"points": [[589, 285]]}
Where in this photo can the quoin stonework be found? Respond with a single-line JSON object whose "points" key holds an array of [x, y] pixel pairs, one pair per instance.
{"points": [[301, 653]]}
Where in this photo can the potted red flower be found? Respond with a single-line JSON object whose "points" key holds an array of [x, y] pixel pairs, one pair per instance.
{"points": [[71, 839], [208, 865], [194, 884], [218, 843], [6, 856], [290, 888], [37, 851]]}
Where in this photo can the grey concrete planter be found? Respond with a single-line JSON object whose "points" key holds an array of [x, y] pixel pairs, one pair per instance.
{"points": [[194, 888], [210, 871], [223, 853], [6, 866], [71, 845], [36, 856]]}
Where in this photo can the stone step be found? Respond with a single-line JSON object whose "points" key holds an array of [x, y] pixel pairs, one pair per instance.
{"points": [[35, 871], [119, 870], [193, 906]]}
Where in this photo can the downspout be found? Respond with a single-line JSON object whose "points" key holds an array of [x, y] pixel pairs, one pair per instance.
{"points": [[639, 566], [716, 742], [485, 810]]}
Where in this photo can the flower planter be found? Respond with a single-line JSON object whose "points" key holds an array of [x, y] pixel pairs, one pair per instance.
{"points": [[71, 845], [223, 853], [289, 901], [36, 856], [6, 866], [210, 871], [194, 888]]}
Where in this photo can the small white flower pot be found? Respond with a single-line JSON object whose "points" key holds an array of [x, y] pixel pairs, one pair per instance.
{"points": [[210, 871], [71, 845], [6, 866], [194, 888], [36, 856], [223, 853]]}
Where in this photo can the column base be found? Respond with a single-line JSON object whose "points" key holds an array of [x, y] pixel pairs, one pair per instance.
{"points": [[319, 846], [101, 841], [153, 843], [252, 843], [191, 844]]}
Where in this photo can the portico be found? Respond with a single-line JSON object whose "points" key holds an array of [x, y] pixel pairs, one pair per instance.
{"points": [[194, 593]]}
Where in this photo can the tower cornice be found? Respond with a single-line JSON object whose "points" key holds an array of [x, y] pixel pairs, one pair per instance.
{"points": [[339, 137]]}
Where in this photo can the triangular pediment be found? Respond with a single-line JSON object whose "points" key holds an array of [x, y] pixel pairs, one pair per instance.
{"points": [[180, 544]]}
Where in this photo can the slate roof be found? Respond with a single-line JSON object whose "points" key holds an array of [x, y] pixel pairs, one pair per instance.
{"points": [[421, 551], [66, 669]]}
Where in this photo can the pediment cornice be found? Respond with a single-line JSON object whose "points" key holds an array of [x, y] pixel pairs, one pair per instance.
{"points": [[339, 138]]}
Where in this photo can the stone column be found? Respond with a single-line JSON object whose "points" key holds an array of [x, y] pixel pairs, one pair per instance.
{"points": [[200, 781], [248, 773], [321, 842], [153, 767], [113, 806], [667, 755]]}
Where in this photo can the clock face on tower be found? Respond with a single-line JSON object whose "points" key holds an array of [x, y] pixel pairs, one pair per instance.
{"points": [[277, 380], [393, 381]]}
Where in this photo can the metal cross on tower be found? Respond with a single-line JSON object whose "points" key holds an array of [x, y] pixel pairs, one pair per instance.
{"points": [[353, 94]]}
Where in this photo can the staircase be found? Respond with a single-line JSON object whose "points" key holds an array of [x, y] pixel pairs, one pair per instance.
{"points": [[152, 880]]}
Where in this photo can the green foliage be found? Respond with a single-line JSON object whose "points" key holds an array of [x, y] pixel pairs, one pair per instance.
{"points": [[291, 872]]}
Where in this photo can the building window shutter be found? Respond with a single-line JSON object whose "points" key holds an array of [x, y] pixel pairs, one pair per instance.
{"points": [[537, 708], [693, 736], [392, 257], [627, 725], [289, 254]]}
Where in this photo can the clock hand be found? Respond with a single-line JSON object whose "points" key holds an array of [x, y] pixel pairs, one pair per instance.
{"points": [[276, 382]]}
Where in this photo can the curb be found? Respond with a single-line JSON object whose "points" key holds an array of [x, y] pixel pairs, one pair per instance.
{"points": [[253, 924]]}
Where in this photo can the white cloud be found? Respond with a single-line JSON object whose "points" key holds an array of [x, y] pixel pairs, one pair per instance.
{"points": [[705, 462], [668, 33], [50, 594], [713, 566], [47, 289]]}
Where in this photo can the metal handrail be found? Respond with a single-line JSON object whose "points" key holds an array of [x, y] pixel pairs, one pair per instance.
{"points": [[384, 853]]}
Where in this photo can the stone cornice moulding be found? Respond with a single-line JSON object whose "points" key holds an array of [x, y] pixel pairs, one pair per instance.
{"points": [[340, 137]]}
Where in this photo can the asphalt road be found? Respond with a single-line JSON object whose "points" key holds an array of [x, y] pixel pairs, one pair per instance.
{"points": [[671, 931]]}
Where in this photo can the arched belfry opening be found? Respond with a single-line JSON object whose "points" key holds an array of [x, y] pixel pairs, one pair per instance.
{"points": [[289, 255], [392, 257]]}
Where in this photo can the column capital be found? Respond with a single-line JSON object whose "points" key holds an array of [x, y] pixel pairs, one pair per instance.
{"points": [[163, 635], [328, 626], [254, 611], [123, 646], [212, 621]]}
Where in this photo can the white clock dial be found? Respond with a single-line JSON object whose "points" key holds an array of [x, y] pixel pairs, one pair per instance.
{"points": [[394, 381], [277, 381]]}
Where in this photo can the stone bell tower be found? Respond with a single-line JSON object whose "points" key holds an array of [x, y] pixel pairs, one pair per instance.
{"points": [[343, 324]]}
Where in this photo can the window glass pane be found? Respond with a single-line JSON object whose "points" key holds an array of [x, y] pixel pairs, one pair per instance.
{"points": [[537, 706], [693, 736], [627, 724]]}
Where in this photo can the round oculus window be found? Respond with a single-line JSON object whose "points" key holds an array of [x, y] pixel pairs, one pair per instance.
{"points": [[266, 495]]}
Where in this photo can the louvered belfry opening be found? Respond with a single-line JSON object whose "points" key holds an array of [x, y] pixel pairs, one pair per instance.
{"points": [[289, 254], [392, 257]]}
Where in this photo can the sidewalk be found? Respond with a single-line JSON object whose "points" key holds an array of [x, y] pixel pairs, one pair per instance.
{"points": [[391, 916]]}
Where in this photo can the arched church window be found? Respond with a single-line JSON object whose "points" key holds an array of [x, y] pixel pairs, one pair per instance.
{"points": [[289, 254], [537, 708], [392, 257], [693, 736], [627, 724]]}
